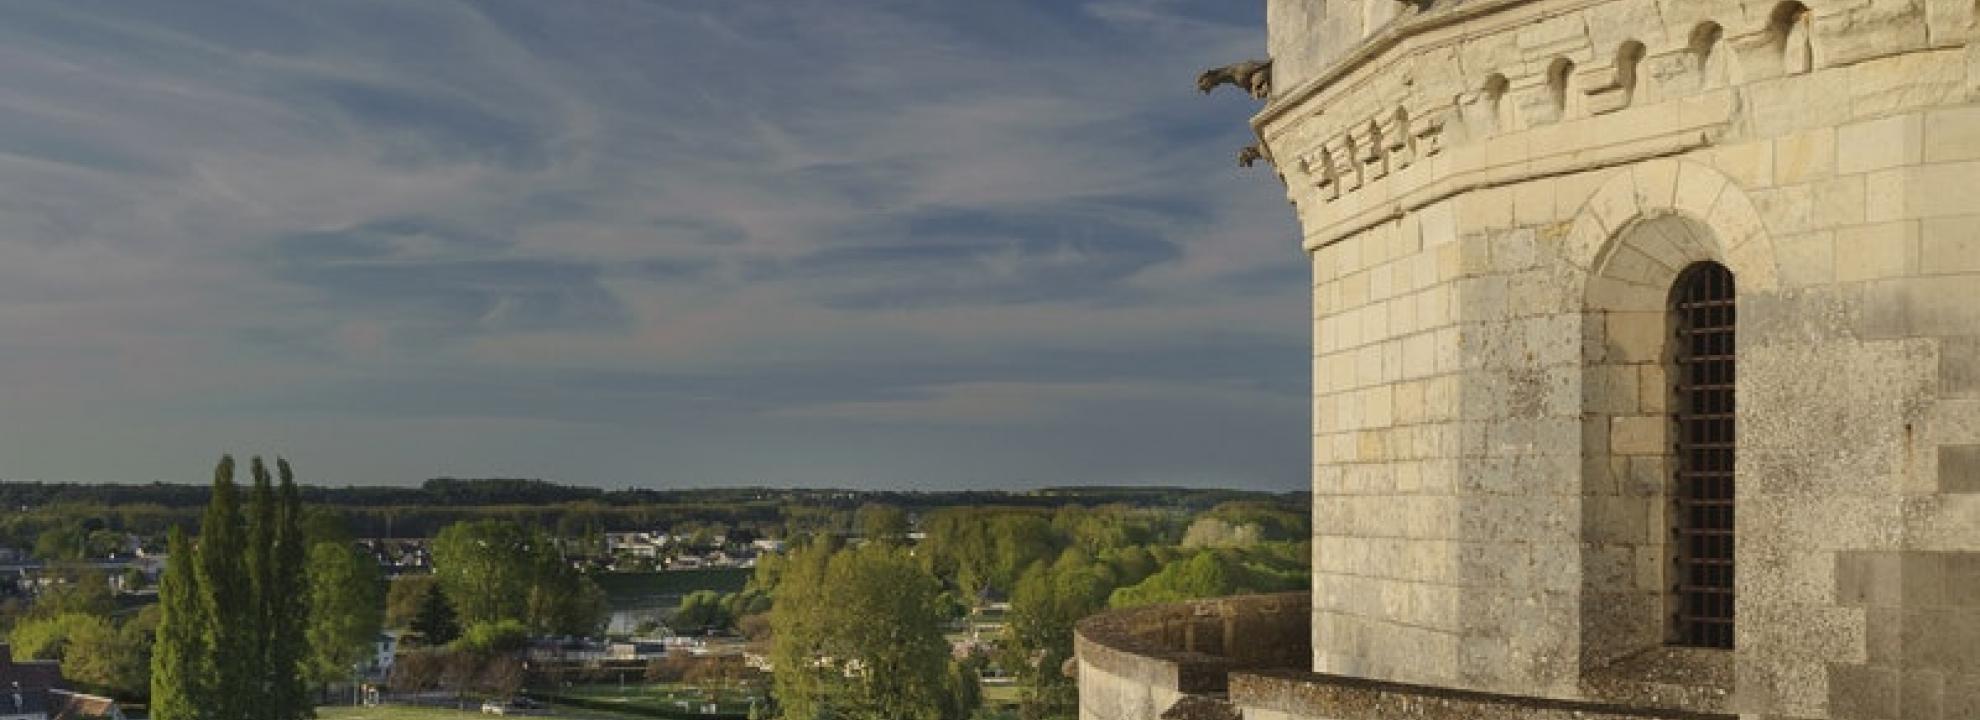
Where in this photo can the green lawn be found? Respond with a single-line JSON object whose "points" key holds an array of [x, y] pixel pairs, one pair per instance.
{"points": [[661, 696], [409, 712], [395, 712], [995, 696]]}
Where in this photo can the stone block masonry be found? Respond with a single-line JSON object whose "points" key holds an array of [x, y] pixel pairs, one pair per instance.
{"points": [[1540, 489], [1498, 197]]}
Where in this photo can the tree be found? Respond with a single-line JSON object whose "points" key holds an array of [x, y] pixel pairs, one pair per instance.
{"points": [[62, 544], [1048, 600], [495, 570], [178, 656], [260, 562], [488, 568], [344, 609], [133, 651], [436, 623], [715, 676], [85, 592], [458, 671], [417, 670], [286, 604], [882, 523], [227, 602], [494, 637], [1216, 532], [502, 675], [700, 610], [565, 602], [669, 668], [1265, 567], [84, 645], [404, 599], [1274, 522], [232, 637], [133, 579], [872, 648]]}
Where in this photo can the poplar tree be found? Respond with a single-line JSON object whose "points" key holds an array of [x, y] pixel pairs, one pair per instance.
{"points": [[227, 605], [288, 604], [260, 618], [179, 654]]}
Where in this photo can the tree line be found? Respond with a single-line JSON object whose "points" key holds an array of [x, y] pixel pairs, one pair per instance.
{"points": [[857, 632]]}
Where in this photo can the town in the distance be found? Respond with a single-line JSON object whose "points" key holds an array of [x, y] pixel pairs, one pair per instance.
{"points": [[529, 597]]}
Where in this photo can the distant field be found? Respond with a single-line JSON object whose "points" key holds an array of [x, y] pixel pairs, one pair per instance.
{"points": [[391, 712], [656, 696], [409, 712], [676, 582], [1001, 695]]}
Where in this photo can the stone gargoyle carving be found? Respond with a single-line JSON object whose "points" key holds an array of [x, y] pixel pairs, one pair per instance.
{"points": [[1251, 76], [1249, 154]]}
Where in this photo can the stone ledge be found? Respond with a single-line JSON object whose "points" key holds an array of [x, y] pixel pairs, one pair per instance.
{"points": [[1666, 677], [1193, 647], [1304, 694]]}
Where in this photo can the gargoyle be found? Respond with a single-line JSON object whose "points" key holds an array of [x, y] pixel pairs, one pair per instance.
{"points": [[1249, 154], [1252, 76]]}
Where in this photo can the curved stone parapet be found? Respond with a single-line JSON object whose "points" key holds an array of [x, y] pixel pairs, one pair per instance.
{"points": [[1292, 695], [1137, 664], [1240, 657]]}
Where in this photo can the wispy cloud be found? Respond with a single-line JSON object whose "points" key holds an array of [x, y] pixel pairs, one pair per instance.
{"points": [[661, 243]]}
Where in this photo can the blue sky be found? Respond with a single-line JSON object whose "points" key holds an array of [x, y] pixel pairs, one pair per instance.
{"points": [[860, 243]]}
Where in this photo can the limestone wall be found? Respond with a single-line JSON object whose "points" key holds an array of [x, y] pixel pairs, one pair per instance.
{"points": [[1289, 695], [1497, 195], [1136, 664]]}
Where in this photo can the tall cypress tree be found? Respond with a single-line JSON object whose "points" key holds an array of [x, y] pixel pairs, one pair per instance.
{"points": [[288, 643], [260, 618], [178, 656], [436, 622], [227, 603]]}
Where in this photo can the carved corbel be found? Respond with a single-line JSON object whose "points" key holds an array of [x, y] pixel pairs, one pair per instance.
{"points": [[1374, 152], [1356, 172], [1327, 175], [1402, 142], [1430, 133]]}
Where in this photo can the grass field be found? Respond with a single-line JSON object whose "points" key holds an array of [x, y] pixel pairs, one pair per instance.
{"points": [[660, 696], [409, 712], [1007, 695]]}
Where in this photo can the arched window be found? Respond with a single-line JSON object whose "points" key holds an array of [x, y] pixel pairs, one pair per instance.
{"points": [[1704, 315]]}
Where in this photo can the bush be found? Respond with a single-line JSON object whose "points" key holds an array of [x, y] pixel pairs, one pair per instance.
{"points": [[494, 637]]}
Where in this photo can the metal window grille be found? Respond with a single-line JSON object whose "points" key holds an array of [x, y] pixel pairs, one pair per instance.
{"points": [[1702, 499]]}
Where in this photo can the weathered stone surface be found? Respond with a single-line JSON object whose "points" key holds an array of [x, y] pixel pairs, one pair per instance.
{"points": [[1493, 371], [1292, 694], [1959, 468]]}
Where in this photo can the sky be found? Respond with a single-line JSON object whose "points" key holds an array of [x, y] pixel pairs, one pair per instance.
{"points": [[669, 243]]}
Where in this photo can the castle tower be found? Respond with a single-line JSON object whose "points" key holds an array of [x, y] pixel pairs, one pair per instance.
{"points": [[1646, 356]]}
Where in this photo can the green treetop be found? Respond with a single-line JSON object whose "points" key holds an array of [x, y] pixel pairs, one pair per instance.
{"points": [[178, 652]]}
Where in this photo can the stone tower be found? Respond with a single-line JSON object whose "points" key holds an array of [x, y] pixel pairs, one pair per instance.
{"points": [[1646, 365]]}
